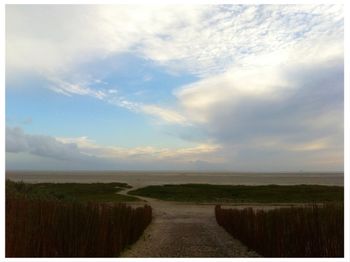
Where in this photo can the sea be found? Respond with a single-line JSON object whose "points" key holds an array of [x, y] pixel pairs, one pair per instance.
{"points": [[140, 179]]}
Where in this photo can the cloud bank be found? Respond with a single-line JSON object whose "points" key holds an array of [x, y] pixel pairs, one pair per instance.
{"points": [[268, 92], [84, 150]]}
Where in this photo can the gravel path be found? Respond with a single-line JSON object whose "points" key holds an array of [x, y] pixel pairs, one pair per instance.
{"points": [[185, 230]]}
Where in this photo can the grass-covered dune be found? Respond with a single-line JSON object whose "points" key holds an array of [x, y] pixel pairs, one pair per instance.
{"points": [[97, 192], [205, 193]]}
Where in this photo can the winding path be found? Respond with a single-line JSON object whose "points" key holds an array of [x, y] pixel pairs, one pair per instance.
{"points": [[184, 230]]}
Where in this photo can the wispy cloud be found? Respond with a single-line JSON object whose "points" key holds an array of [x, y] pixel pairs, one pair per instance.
{"points": [[69, 89], [167, 115], [112, 97]]}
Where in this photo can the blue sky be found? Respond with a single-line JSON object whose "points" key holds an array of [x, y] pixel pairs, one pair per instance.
{"points": [[219, 87]]}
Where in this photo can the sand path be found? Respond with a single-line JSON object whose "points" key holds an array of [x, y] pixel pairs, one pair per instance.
{"points": [[184, 230]]}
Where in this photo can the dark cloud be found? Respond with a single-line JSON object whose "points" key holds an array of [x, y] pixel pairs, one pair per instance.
{"points": [[41, 152], [312, 108], [289, 128], [19, 142], [15, 140]]}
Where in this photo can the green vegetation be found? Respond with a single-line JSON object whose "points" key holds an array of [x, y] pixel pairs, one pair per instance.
{"points": [[316, 231], [205, 193], [101, 192]]}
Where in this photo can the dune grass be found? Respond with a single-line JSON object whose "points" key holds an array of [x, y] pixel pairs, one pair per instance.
{"points": [[206, 193], [60, 228], [316, 231], [71, 219], [101, 192]]}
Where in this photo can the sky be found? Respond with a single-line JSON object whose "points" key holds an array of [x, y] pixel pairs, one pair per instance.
{"points": [[183, 87]]}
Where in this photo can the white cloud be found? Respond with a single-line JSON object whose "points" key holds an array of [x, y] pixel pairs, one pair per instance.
{"points": [[203, 39], [201, 98], [148, 153], [54, 39], [166, 115], [265, 77], [239, 50]]}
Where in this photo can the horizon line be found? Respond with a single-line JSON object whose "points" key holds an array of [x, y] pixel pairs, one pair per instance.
{"points": [[169, 171]]}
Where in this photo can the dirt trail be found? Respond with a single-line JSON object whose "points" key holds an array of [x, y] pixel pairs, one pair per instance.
{"points": [[185, 230]]}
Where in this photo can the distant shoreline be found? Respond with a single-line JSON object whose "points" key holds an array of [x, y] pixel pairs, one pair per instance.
{"points": [[174, 172], [140, 179]]}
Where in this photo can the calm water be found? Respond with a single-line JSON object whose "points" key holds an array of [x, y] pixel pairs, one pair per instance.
{"points": [[139, 179]]}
